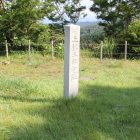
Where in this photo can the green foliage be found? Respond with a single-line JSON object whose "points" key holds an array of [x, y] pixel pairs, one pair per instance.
{"points": [[18, 21], [109, 48], [132, 36], [68, 11], [116, 14], [132, 33], [120, 21], [56, 35], [92, 34], [59, 50], [39, 33], [56, 32]]}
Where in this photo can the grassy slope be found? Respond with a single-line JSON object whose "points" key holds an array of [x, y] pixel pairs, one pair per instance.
{"points": [[32, 105]]}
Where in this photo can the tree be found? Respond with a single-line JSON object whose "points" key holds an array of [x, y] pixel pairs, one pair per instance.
{"points": [[116, 14], [67, 11], [131, 34], [39, 36], [56, 34], [17, 17], [92, 34]]}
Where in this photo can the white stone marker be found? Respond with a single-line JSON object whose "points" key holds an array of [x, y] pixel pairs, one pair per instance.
{"points": [[71, 60]]}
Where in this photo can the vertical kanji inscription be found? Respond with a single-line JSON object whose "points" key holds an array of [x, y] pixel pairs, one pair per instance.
{"points": [[71, 60]]}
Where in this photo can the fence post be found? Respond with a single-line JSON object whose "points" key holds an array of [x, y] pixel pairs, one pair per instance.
{"points": [[6, 45], [101, 51], [29, 49], [125, 54], [52, 48]]}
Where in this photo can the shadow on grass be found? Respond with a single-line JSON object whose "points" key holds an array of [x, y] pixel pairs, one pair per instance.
{"points": [[24, 99], [98, 113]]}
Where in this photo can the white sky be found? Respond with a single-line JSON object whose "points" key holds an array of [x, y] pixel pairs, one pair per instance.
{"points": [[91, 16]]}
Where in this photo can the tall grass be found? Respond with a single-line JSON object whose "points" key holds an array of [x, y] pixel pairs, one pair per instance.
{"points": [[32, 106], [109, 48]]}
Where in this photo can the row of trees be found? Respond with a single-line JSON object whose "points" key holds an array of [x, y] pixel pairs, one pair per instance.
{"points": [[121, 19], [20, 21]]}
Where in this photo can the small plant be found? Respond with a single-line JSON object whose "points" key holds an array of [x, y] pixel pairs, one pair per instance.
{"points": [[59, 50], [6, 62]]}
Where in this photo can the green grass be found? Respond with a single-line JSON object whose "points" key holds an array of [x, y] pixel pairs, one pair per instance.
{"points": [[32, 106]]}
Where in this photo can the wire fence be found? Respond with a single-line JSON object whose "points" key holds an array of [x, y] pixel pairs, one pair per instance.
{"points": [[101, 51]]}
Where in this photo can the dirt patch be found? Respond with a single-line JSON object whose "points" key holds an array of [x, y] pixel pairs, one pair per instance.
{"points": [[87, 78]]}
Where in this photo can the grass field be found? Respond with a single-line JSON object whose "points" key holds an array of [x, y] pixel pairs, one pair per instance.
{"points": [[32, 106]]}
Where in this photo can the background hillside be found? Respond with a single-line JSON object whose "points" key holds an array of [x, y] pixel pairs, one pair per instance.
{"points": [[91, 33], [91, 29], [87, 23]]}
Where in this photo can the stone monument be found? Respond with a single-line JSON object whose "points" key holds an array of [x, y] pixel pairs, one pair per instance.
{"points": [[71, 60]]}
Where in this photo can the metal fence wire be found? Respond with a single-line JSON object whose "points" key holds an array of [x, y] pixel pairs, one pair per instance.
{"points": [[101, 51]]}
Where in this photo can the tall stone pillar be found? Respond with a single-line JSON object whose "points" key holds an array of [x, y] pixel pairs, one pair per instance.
{"points": [[71, 60]]}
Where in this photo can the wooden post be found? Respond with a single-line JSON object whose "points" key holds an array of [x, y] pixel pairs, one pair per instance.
{"points": [[29, 49], [125, 54], [6, 45], [101, 51], [52, 48]]}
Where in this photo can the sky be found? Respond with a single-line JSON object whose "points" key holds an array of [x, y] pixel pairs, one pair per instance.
{"points": [[91, 16]]}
